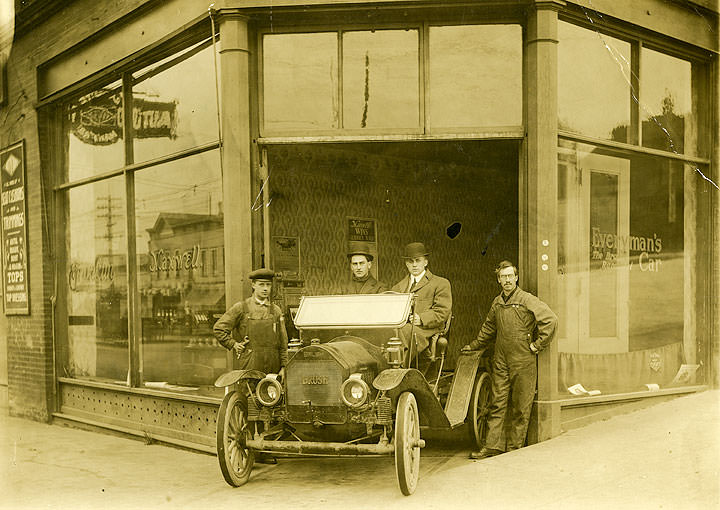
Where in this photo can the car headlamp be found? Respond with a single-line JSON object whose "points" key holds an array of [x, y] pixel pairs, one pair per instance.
{"points": [[269, 391], [354, 391]]}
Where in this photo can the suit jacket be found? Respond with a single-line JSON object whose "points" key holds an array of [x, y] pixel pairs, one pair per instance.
{"points": [[433, 303], [369, 286]]}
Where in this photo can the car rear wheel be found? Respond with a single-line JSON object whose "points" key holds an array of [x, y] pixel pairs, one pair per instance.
{"points": [[407, 443], [479, 407], [236, 460]]}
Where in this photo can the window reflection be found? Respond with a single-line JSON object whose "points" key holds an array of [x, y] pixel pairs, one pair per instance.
{"points": [[380, 79], [593, 83], [174, 106], [97, 282], [626, 271], [179, 220], [93, 132], [665, 100], [475, 76], [300, 81]]}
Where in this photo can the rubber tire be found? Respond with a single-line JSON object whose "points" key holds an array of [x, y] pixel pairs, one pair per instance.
{"points": [[407, 434], [479, 407], [235, 460]]}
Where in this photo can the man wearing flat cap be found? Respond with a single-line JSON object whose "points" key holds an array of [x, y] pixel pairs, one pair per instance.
{"points": [[254, 329], [362, 281], [433, 298]]}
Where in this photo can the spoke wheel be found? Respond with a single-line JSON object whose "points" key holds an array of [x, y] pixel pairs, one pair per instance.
{"points": [[407, 450], [236, 460], [479, 407]]}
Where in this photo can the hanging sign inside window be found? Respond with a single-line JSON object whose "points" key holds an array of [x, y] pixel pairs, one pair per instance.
{"points": [[16, 294], [97, 120]]}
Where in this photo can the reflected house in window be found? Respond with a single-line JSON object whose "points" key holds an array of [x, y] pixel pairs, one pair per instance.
{"points": [[178, 293], [665, 131]]}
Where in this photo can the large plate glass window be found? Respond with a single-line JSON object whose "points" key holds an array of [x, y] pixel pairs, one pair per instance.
{"points": [[179, 224], [594, 73], [97, 282], [627, 255], [178, 221], [475, 76]]}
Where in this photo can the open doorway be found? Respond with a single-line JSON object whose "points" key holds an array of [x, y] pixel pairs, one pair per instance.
{"points": [[460, 198]]}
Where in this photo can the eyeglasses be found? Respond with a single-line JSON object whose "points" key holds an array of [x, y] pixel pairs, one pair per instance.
{"points": [[506, 276]]}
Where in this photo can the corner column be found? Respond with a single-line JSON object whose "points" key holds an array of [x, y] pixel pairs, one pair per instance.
{"points": [[540, 271], [235, 152]]}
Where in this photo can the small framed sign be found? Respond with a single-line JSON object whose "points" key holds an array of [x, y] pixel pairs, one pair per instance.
{"points": [[361, 230], [286, 255], [16, 291]]}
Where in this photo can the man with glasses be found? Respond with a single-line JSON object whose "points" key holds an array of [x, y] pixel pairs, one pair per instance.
{"points": [[521, 326]]}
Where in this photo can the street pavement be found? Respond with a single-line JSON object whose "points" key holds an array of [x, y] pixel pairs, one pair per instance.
{"points": [[666, 456]]}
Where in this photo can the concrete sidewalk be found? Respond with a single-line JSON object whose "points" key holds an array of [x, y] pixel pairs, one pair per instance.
{"points": [[665, 456]]}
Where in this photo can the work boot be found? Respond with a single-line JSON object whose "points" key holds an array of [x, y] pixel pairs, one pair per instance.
{"points": [[485, 453]]}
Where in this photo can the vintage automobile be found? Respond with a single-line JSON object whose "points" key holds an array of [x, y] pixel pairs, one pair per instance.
{"points": [[350, 388]]}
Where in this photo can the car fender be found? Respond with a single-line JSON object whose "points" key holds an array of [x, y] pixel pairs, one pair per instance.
{"points": [[395, 381], [234, 376]]}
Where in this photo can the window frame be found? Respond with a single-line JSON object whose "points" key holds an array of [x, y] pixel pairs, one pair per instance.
{"points": [[187, 44], [424, 130], [639, 39]]}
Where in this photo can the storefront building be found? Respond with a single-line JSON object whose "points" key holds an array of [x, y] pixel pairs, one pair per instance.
{"points": [[169, 148]]}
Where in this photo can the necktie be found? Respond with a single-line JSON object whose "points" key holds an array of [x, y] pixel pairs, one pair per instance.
{"points": [[413, 282]]}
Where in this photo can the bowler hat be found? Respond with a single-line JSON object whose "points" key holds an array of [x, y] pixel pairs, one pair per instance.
{"points": [[413, 250], [262, 274], [360, 249]]}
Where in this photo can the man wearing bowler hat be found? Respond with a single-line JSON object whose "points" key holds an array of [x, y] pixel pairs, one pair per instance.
{"points": [[254, 329], [433, 298], [362, 281]]}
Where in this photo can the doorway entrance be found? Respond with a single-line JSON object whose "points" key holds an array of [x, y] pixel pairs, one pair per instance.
{"points": [[460, 198], [595, 279]]}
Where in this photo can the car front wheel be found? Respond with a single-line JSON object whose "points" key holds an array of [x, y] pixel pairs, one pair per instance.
{"points": [[236, 460]]}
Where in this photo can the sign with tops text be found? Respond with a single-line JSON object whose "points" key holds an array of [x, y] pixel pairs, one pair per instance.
{"points": [[16, 294]]}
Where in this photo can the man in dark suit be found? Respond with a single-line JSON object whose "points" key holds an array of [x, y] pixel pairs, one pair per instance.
{"points": [[433, 298], [362, 281]]}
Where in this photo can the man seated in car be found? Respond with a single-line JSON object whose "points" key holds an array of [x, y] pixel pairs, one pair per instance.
{"points": [[433, 299], [362, 282]]}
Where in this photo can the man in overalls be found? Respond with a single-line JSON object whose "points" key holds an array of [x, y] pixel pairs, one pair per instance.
{"points": [[254, 329], [521, 326]]}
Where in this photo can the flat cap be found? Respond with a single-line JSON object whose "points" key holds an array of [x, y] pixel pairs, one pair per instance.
{"points": [[262, 274], [359, 249], [413, 250]]}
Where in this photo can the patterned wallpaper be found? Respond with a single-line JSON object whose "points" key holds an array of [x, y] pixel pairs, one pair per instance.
{"points": [[414, 191]]}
